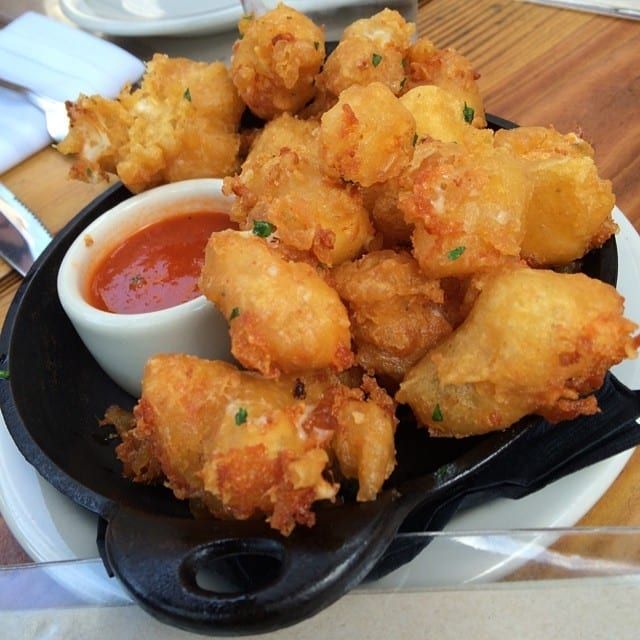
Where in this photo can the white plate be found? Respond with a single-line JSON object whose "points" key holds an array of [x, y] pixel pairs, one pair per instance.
{"points": [[51, 527], [154, 17]]}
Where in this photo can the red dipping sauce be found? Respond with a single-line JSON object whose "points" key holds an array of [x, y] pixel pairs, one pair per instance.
{"points": [[157, 267]]}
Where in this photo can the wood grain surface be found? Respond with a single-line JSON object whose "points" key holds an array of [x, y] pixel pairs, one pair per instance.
{"points": [[538, 65]]}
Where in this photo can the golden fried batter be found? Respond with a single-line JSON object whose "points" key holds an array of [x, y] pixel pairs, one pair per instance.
{"points": [[363, 440], [235, 440], [535, 342], [181, 123], [441, 115], [396, 312], [282, 182], [243, 445], [570, 209], [284, 318], [366, 144], [467, 205], [445, 68], [99, 130], [381, 200], [370, 50], [276, 60]]}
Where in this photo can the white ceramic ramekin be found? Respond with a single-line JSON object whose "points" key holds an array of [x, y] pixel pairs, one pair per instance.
{"points": [[122, 343]]}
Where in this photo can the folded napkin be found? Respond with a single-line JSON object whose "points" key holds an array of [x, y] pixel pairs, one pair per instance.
{"points": [[58, 61]]}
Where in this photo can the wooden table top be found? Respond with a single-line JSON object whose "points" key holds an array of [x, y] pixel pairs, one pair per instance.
{"points": [[538, 65]]}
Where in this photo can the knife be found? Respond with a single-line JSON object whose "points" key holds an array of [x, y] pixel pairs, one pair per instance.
{"points": [[22, 236]]}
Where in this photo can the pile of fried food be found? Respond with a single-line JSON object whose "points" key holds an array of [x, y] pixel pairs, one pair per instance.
{"points": [[391, 249]]}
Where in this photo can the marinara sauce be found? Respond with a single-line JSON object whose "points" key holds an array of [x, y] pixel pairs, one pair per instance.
{"points": [[157, 267]]}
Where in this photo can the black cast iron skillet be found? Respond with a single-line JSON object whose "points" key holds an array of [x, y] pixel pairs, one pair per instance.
{"points": [[57, 393]]}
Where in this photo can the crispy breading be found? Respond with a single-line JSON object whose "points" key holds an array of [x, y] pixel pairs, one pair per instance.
{"points": [[246, 446], [396, 312], [98, 132], [276, 60], [181, 123], [370, 50], [381, 200], [448, 69], [535, 342], [570, 208], [467, 206], [367, 137], [284, 318], [230, 435], [363, 441], [440, 115], [282, 182]]}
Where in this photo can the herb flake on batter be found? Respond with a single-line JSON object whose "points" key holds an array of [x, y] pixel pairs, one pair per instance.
{"points": [[454, 254], [241, 416], [263, 228]]}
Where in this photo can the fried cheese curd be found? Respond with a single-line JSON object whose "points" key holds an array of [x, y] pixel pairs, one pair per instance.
{"points": [[366, 144], [246, 446], [276, 60], [395, 310], [363, 441], [570, 209], [381, 200], [370, 50], [282, 182], [467, 206], [440, 115], [284, 318], [447, 69], [99, 130], [181, 123], [535, 342]]}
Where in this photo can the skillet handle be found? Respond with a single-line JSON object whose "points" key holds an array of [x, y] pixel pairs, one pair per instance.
{"points": [[544, 453], [157, 558]]}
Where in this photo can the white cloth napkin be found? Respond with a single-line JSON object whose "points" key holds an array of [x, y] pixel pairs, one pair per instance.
{"points": [[60, 62]]}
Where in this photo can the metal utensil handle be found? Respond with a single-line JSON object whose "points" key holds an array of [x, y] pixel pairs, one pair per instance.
{"points": [[36, 99]]}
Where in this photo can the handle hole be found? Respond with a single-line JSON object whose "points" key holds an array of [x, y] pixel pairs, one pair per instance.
{"points": [[234, 567]]}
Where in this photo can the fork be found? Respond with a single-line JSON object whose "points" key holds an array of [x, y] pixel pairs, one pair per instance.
{"points": [[55, 111]]}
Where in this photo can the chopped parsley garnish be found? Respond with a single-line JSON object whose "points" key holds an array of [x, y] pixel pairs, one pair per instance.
{"points": [[241, 416], [136, 282], [4, 374], [441, 474], [262, 228], [187, 94], [437, 416], [415, 139], [89, 172], [235, 312], [468, 113], [376, 59], [454, 254], [316, 45], [299, 391], [402, 83]]}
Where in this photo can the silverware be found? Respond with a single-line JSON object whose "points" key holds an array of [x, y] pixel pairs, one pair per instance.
{"points": [[55, 111], [607, 9], [22, 236]]}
